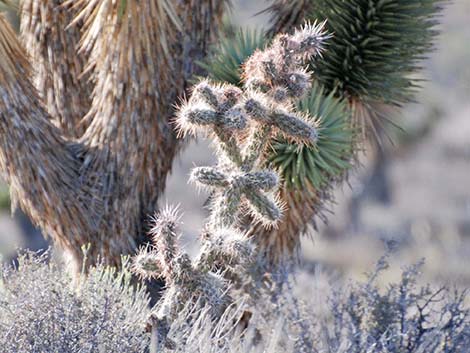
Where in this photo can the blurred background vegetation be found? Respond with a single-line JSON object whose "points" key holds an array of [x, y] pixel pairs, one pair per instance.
{"points": [[416, 205]]}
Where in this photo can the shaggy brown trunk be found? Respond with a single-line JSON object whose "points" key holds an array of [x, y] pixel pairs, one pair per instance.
{"points": [[41, 169], [88, 164], [57, 67]]}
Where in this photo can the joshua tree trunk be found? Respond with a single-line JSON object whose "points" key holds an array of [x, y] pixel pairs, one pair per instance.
{"points": [[86, 108]]}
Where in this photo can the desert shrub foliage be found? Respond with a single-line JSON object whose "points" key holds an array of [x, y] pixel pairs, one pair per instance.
{"points": [[353, 317], [42, 309]]}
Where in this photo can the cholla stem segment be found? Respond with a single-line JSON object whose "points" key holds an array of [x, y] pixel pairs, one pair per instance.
{"points": [[260, 138], [227, 248], [230, 190], [212, 106]]}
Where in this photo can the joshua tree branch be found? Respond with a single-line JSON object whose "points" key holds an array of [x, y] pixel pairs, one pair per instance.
{"points": [[52, 46], [139, 65], [37, 162]]}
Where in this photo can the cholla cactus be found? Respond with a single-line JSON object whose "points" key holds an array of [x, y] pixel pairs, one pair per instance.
{"points": [[242, 123], [307, 171]]}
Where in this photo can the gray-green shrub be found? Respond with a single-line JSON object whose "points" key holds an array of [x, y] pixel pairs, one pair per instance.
{"points": [[42, 309]]}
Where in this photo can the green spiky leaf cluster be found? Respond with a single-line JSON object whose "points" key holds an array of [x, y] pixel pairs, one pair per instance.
{"points": [[377, 45], [225, 63], [330, 158]]}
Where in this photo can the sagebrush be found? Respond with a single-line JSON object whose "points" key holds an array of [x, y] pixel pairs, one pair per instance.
{"points": [[43, 309]]}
